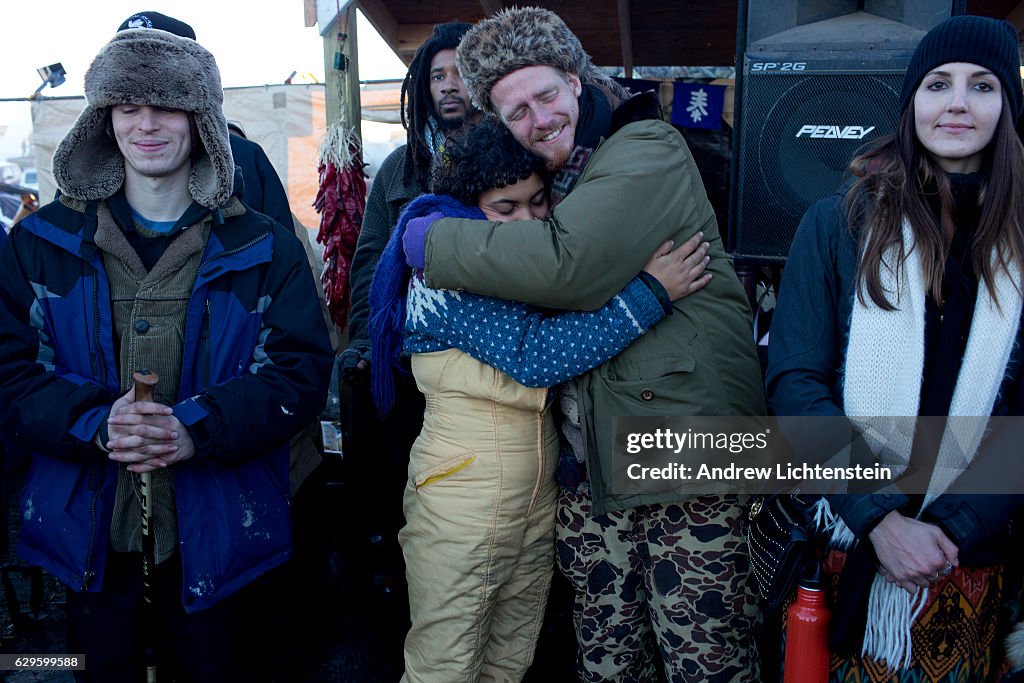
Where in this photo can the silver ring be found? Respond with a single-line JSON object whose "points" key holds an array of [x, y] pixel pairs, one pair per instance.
{"points": [[947, 570]]}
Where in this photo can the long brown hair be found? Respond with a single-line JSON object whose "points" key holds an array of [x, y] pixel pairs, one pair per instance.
{"points": [[892, 182]]}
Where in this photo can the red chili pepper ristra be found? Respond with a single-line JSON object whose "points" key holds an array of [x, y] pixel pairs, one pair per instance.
{"points": [[340, 202]]}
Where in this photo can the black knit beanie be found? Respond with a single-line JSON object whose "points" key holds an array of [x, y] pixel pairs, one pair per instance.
{"points": [[991, 43]]}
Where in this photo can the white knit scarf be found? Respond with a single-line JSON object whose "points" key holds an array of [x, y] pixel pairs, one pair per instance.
{"points": [[882, 387]]}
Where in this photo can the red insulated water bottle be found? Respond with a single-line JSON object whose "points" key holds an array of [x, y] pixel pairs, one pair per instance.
{"points": [[807, 632]]}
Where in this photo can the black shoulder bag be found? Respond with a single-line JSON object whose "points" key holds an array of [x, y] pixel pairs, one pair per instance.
{"points": [[778, 533]]}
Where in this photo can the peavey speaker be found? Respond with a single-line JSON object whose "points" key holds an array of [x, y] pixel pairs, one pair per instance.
{"points": [[816, 84]]}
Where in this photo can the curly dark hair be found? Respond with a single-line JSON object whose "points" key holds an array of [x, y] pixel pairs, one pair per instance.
{"points": [[417, 104], [481, 157]]}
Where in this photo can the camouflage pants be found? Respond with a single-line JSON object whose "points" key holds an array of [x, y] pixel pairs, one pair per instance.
{"points": [[660, 579]]}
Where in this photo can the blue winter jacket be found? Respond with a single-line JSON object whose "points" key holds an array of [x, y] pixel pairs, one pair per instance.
{"points": [[255, 366]]}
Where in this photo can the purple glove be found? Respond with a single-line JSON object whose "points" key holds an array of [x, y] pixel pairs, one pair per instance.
{"points": [[414, 241]]}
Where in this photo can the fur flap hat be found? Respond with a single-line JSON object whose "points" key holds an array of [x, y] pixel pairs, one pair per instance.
{"points": [[519, 37], [1014, 645], [156, 68]]}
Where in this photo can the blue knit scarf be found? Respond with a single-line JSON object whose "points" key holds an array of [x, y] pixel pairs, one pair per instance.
{"points": [[388, 293]]}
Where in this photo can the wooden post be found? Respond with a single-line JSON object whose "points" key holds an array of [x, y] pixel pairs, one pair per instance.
{"points": [[626, 37], [342, 87], [1016, 17]]}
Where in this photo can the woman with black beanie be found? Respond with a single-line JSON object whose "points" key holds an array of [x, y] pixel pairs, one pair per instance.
{"points": [[902, 297]]}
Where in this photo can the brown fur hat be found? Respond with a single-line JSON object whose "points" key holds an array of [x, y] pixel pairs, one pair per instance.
{"points": [[519, 37], [147, 67], [1014, 645]]}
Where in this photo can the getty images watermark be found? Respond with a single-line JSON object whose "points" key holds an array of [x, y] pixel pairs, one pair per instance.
{"points": [[826, 455], [710, 444]]}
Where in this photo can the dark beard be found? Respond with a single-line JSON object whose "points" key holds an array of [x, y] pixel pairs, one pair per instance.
{"points": [[449, 124]]}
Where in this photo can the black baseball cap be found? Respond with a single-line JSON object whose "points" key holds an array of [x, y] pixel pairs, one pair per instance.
{"points": [[156, 20]]}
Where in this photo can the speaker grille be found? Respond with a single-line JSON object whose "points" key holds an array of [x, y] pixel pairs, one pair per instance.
{"points": [[785, 165]]}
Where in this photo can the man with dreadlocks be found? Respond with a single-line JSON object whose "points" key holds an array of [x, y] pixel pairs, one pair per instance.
{"points": [[433, 101]]}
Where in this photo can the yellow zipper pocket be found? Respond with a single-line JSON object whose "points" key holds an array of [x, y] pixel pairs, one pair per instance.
{"points": [[444, 470]]}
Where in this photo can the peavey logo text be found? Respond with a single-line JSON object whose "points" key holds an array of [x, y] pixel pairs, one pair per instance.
{"points": [[835, 132]]}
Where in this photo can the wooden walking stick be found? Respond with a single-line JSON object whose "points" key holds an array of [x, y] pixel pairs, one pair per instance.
{"points": [[145, 383]]}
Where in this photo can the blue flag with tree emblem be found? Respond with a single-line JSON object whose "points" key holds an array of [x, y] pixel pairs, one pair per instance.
{"points": [[698, 105]]}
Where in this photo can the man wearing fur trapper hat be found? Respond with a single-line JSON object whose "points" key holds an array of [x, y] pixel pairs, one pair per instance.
{"points": [[646, 567], [147, 260]]}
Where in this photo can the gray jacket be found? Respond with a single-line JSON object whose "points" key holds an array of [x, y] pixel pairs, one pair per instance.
{"points": [[388, 196]]}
